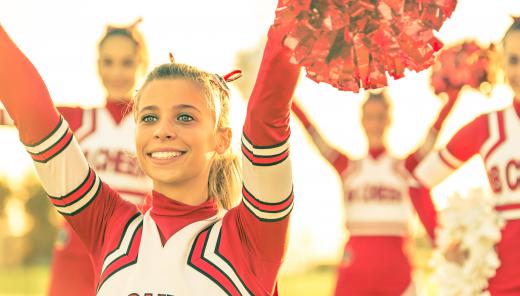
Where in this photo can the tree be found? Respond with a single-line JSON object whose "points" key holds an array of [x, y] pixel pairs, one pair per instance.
{"points": [[40, 239]]}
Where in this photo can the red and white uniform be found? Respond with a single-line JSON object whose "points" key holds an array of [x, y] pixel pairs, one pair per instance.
{"points": [[106, 137], [379, 200], [203, 251], [496, 138]]}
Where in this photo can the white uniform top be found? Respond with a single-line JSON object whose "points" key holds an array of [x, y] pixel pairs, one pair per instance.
{"points": [[495, 137], [377, 201], [171, 276]]}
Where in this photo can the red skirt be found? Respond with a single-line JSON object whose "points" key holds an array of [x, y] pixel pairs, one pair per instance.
{"points": [[374, 265], [72, 271]]}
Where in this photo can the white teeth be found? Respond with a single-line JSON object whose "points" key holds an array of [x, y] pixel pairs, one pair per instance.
{"points": [[165, 155]]}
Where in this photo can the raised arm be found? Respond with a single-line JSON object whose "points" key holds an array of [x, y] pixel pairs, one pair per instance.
{"points": [[260, 223], [74, 189], [427, 146], [336, 158], [467, 142], [24, 94]]}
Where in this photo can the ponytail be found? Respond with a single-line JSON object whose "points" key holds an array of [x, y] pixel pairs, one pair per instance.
{"points": [[224, 179]]}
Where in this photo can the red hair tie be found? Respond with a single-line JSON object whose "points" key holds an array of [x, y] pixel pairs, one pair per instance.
{"points": [[222, 81], [233, 75]]}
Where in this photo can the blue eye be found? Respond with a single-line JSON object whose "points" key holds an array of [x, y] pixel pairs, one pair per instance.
{"points": [[184, 118], [148, 118]]}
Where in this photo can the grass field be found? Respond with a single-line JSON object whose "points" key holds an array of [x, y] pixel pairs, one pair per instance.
{"points": [[314, 283], [26, 281], [32, 281]]}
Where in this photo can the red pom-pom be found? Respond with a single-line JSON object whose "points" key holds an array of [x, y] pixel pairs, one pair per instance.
{"points": [[351, 44], [465, 64]]}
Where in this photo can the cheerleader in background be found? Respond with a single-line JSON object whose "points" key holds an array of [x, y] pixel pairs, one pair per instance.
{"points": [[186, 243], [379, 198], [496, 138]]}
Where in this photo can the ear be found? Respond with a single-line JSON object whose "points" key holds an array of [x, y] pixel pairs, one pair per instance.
{"points": [[223, 140]]}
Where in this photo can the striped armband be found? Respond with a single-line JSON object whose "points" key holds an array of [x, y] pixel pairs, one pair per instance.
{"points": [[65, 175], [52, 145], [265, 155], [79, 198], [267, 211]]}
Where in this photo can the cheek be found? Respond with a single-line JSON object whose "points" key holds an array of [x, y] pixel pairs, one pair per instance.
{"points": [[130, 75], [203, 139], [103, 73], [512, 70], [140, 139]]}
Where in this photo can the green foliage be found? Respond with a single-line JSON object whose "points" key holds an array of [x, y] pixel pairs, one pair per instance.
{"points": [[40, 239], [5, 191]]}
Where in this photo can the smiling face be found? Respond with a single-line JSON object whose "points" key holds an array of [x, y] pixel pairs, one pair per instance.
{"points": [[512, 61], [117, 66], [176, 138]]}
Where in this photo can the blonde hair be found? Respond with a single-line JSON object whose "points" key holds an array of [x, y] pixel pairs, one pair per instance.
{"points": [[515, 26], [224, 176]]}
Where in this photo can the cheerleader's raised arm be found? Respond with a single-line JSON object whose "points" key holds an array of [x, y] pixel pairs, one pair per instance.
{"points": [[260, 223], [73, 187]]}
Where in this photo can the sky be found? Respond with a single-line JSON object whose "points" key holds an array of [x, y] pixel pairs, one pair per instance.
{"points": [[60, 37]]}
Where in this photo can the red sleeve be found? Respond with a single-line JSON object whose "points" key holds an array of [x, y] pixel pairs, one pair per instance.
{"points": [[336, 158], [73, 115], [254, 235], [425, 209], [24, 94], [411, 161], [468, 140], [73, 187], [446, 109]]}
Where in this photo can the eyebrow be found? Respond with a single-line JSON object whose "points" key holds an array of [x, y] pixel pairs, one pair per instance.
{"points": [[186, 106], [180, 106]]}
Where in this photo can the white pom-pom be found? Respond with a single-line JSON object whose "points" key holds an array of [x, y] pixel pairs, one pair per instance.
{"points": [[473, 223]]}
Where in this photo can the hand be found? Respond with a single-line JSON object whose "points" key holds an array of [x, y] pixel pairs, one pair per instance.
{"points": [[455, 254]]}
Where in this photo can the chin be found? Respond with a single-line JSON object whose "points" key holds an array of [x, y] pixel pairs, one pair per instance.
{"points": [[117, 94], [164, 178]]}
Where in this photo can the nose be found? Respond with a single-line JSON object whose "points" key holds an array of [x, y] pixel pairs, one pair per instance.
{"points": [[164, 131]]}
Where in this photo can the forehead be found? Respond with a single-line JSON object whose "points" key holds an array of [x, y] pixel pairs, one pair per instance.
{"points": [[167, 93], [512, 43], [118, 46]]}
